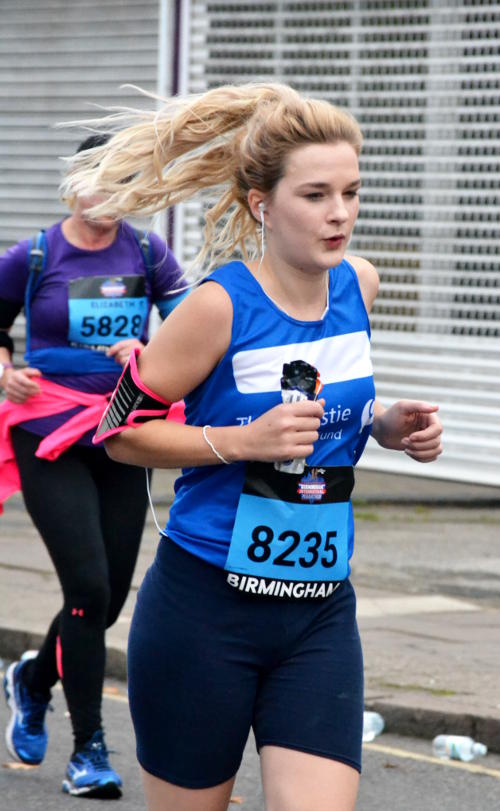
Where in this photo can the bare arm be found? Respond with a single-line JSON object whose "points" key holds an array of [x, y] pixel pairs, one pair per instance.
{"points": [[18, 384], [412, 426], [368, 279], [180, 356]]}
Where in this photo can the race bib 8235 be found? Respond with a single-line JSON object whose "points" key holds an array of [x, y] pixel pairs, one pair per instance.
{"points": [[292, 527]]}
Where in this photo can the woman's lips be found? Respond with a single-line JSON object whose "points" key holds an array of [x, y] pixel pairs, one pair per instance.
{"points": [[334, 242]]}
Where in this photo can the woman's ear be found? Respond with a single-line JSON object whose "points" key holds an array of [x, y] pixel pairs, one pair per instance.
{"points": [[256, 204]]}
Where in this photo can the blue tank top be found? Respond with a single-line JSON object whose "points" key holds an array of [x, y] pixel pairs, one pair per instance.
{"points": [[247, 382]]}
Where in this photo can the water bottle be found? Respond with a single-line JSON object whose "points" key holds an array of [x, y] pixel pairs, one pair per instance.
{"points": [[457, 747], [300, 381], [373, 725]]}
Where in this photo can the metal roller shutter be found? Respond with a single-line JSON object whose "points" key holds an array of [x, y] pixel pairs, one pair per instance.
{"points": [[423, 79], [58, 59]]}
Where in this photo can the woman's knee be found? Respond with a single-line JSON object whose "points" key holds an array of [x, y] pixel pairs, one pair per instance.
{"points": [[114, 612], [299, 781], [90, 601], [163, 796], [118, 595]]}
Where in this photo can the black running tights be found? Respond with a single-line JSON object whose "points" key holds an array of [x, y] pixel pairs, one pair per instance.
{"points": [[90, 512]]}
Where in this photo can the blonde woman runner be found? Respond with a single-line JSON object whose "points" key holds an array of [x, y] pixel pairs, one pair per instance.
{"points": [[86, 307], [246, 619]]}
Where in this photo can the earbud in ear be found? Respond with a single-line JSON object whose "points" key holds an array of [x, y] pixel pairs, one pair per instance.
{"points": [[262, 208]]}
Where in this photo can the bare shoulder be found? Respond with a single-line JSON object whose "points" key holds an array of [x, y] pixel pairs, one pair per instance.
{"points": [[368, 279], [366, 272], [210, 300], [189, 343]]}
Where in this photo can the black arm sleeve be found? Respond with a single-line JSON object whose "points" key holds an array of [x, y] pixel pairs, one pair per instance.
{"points": [[8, 313], [6, 341], [9, 310]]}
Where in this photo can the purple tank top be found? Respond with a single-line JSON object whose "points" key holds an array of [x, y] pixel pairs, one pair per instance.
{"points": [[68, 267]]}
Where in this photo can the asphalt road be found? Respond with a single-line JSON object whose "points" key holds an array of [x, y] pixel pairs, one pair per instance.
{"points": [[400, 774]]}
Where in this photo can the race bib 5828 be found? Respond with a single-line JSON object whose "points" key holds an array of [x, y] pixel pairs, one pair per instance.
{"points": [[106, 309]]}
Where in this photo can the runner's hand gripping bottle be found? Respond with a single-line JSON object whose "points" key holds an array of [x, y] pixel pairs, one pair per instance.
{"points": [[300, 381]]}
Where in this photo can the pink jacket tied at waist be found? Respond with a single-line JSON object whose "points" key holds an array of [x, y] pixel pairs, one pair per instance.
{"points": [[53, 399]]}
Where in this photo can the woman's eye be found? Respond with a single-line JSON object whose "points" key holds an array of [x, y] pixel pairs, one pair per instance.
{"points": [[314, 195], [351, 193]]}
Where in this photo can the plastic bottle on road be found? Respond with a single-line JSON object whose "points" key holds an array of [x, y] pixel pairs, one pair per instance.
{"points": [[373, 725], [457, 747]]}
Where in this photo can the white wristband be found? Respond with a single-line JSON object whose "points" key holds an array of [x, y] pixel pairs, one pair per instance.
{"points": [[212, 446]]}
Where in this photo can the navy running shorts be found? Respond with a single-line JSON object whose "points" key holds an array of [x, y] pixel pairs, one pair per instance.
{"points": [[207, 663]]}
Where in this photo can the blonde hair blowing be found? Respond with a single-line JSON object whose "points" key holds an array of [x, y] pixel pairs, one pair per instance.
{"points": [[233, 138]]}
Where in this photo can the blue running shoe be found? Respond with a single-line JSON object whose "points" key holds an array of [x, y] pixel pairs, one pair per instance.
{"points": [[26, 735], [89, 773]]}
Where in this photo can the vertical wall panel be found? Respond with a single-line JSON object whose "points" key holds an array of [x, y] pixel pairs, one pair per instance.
{"points": [[423, 78], [58, 60]]}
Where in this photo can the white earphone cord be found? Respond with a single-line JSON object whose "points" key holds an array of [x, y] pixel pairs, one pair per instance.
{"points": [[160, 530], [262, 208]]}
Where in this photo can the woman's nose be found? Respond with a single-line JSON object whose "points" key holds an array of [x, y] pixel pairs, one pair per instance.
{"points": [[338, 210]]}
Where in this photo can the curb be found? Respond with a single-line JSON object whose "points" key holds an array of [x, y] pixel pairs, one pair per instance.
{"points": [[411, 721], [14, 642], [426, 500], [417, 722], [361, 502]]}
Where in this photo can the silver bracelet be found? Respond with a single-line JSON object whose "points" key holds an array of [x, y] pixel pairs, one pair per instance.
{"points": [[212, 446]]}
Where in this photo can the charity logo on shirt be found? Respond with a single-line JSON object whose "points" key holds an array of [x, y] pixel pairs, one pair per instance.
{"points": [[312, 486], [113, 287]]}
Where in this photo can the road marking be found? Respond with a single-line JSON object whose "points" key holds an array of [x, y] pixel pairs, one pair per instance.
{"points": [[374, 747], [454, 764], [123, 699], [420, 604], [475, 768], [120, 697]]}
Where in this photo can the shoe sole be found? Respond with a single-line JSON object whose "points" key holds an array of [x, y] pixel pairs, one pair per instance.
{"points": [[10, 697], [108, 791]]}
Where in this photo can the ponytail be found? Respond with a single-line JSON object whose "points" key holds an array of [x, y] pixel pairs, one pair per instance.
{"points": [[231, 138]]}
